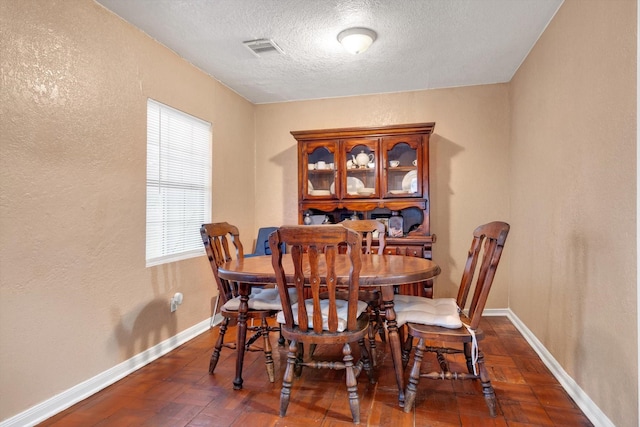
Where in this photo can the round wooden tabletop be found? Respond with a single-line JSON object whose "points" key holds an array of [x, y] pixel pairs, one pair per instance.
{"points": [[377, 270]]}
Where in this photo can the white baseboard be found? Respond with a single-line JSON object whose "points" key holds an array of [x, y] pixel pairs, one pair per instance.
{"points": [[75, 394], [590, 409], [64, 400]]}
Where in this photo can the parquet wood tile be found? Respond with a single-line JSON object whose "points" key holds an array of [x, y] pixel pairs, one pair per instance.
{"points": [[515, 392], [505, 374], [176, 390], [531, 365], [554, 396], [568, 417], [468, 420], [524, 412], [435, 418]]}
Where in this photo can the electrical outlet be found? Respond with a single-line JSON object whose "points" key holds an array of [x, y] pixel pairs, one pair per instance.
{"points": [[175, 302]]}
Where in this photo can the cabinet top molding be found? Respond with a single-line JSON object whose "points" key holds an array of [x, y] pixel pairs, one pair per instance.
{"points": [[364, 131]]}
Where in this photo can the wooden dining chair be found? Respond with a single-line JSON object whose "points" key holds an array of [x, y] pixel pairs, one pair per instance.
{"points": [[263, 303], [321, 321], [366, 228], [451, 322]]}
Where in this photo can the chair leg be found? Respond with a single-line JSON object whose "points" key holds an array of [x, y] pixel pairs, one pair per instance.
{"points": [[380, 324], [280, 338], [300, 359], [414, 377], [312, 349], [372, 341], [352, 383], [287, 380], [241, 343], [487, 388], [407, 345], [267, 350], [367, 364], [442, 360], [467, 355], [215, 356]]}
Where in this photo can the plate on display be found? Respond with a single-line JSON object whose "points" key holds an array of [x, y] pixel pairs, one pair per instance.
{"points": [[332, 188], [410, 182], [353, 185], [309, 186], [366, 191]]}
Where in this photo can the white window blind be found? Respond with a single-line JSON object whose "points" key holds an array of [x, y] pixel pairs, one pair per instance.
{"points": [[178, 183]]}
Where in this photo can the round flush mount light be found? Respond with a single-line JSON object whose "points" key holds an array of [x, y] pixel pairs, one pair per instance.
{"points": [[357, 40]]}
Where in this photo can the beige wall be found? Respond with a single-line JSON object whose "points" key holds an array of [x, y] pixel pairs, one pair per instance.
{"points": [[573, 198], [552, 153], [76, 298]]}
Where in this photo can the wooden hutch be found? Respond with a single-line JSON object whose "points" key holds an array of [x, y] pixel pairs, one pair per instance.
{"points": [[373, 172]]}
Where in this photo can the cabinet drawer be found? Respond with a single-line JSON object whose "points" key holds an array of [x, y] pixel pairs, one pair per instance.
{"points": [[391, 250], [417, 251]]}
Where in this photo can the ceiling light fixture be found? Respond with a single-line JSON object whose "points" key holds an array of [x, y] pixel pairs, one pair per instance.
{"points": [[357, 40]]}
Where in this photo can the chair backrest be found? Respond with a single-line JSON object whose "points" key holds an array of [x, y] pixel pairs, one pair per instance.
{"points": [[366, 227], [488, 242], [215, 238], [313, 252]]}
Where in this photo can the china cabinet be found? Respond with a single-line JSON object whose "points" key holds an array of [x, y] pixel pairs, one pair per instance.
{"points": [[370, 173]]}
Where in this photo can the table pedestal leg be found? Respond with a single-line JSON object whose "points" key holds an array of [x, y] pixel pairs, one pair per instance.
{"points": [[241, 338], [394, 340]]}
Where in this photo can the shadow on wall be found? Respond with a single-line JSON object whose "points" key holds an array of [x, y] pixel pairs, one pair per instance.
{"points": [[441, 151], [215, 306], [288, 164], [567, 301], [141, 329]]}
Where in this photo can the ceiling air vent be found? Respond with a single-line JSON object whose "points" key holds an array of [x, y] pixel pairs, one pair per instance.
{"points": [[261, 47]]}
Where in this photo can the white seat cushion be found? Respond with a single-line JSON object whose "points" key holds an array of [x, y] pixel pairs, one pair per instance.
{"points": [[262, 299], [342, 305], [426, 311]]}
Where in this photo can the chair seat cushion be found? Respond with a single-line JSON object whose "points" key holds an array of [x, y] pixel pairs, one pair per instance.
{"points": [[427, 311], [262, 299], [342, 306]]}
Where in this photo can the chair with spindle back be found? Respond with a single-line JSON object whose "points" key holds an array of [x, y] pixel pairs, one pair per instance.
{"points": [[321, 321], [263, 303], [443, 320]]}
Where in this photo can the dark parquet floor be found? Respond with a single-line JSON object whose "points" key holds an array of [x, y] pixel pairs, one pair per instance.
{"points": [[176, 390]]}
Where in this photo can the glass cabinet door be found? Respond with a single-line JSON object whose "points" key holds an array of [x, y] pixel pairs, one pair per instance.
{"points": [[362, 164], [402, 168], [320, 173]]}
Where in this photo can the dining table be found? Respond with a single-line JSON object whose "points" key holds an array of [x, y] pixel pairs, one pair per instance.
{"points": [[383, 272]]}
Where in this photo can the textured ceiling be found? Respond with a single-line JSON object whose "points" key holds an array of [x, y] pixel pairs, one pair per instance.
{"points": [[422, 44]]}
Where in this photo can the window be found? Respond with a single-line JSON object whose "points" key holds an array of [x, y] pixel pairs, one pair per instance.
{"points": [[178, 183]]}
